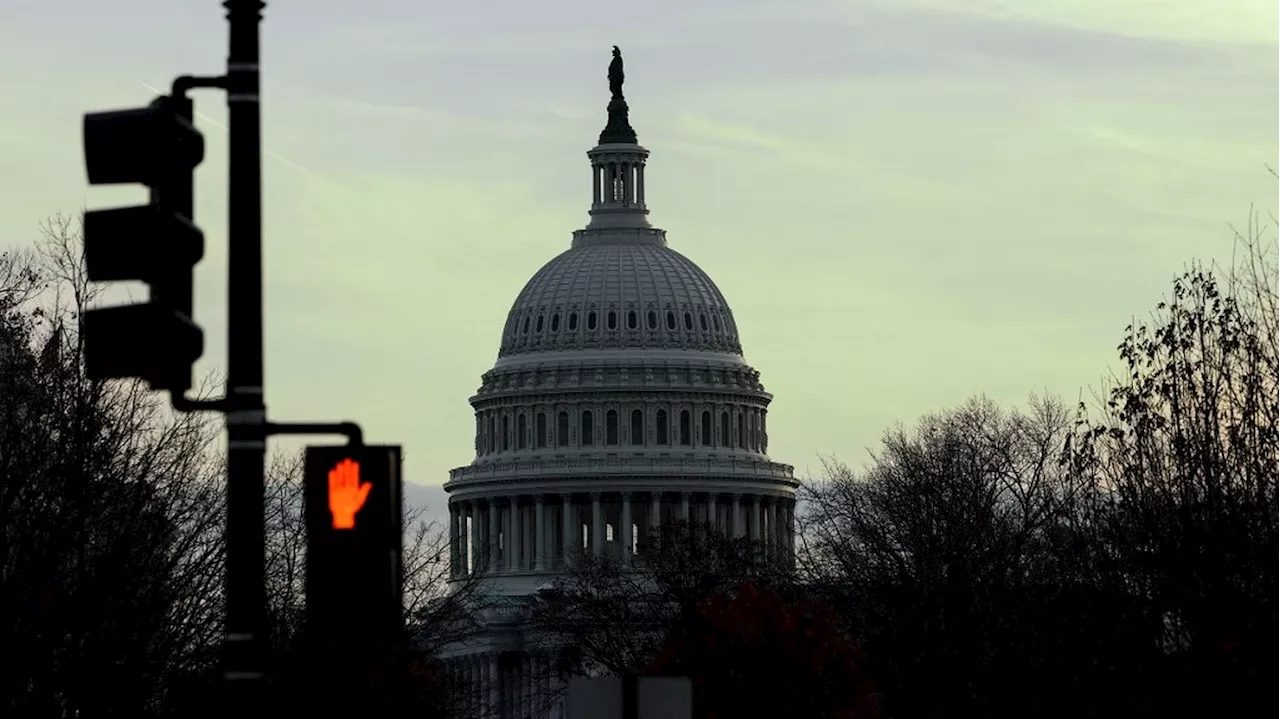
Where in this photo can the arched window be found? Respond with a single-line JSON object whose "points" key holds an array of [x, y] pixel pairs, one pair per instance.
{"points": [[715, 321], [613, 320], [538, 328], [522, 428], [591, 320], [742, 432], [555, 322], [573, 321], [661, 426], [725, 439], [671, 320], [540, 431], [562, 429], [686, 436], [706, 429], [702, 320], [524, 326], [637, 427], [611, 427], [688, 321], [588, 429], [632, 321], [506, 432], [653, 320]]}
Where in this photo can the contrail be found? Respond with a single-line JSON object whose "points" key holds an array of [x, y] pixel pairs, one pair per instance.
{"points": [[278, 158], [353, 199]]}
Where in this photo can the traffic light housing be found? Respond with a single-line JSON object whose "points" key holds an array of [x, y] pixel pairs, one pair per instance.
{"points": [[158, 243], [352, 507]]}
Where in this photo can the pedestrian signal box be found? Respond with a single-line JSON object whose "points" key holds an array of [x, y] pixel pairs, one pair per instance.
{"points": [[352, 505]]}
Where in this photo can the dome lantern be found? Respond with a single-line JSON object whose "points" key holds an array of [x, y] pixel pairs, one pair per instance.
{"points": [[617, 168]]}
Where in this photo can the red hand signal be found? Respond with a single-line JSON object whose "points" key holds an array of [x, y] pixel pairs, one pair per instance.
{"points": [[346, 494]]}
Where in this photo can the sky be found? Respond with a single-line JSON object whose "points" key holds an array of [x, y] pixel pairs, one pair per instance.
{"points": [[906, 202]]}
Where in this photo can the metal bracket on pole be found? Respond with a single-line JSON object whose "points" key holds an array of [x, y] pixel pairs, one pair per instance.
{"points": [[183, 404], [350, 429], [182, 83]]}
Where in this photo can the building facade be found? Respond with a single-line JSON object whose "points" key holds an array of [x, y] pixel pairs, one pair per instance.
{"points": [[620, 400]]}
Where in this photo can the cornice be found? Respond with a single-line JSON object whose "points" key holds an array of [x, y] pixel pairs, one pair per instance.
{"points": [[541, 469]]}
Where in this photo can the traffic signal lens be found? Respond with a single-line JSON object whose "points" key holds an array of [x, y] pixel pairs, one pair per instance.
{"points": [[346, 494]]}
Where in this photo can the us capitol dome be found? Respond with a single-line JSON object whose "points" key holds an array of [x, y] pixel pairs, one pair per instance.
{"points": [[620, 400]]}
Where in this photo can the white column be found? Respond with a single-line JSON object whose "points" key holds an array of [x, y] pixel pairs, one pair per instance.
{"points": [[514, 535], [626, 529], [684, 506], [493, 535], [454, 544], [735, 522], [540, 524], [572, 540], [470, 562], [775, 536], [495, 687], [597, 526], [529, 537]]}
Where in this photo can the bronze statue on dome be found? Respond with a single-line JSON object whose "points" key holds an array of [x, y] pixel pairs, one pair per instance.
{"points": [[615, 73]]}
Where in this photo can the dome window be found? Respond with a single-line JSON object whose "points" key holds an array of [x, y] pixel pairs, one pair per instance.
{"points": [[522, 434], [525, 328], [555, 322], [540, 428], [660, 426], [688, 321], [613, 320], [715, 321], [591, 320], [706, 429], [611, 427], [562, 429], [671, 320], [702, 319], [587, 428], [637, 427], [573, 321], [538, 328], [653, 320], [686, 438], [632, 321]]}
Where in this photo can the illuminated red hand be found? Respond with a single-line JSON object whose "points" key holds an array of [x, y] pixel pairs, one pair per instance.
{"points": [[346, 494]]}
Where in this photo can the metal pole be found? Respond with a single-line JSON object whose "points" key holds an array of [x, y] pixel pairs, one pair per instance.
{"points": [[245, 668]]}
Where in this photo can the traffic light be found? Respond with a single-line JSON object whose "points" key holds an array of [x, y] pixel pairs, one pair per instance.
{"points": [[352, 505], [158, 243]]}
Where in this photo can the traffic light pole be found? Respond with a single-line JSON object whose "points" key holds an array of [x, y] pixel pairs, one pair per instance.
{"points": [[245, 667]]}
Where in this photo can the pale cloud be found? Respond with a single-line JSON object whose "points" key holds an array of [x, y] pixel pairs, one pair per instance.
{"points": [[1224, 21]]}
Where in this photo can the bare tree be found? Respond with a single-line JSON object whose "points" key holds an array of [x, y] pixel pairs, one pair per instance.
{"points": [[104, 499], [952, 553], [1184, 453]]}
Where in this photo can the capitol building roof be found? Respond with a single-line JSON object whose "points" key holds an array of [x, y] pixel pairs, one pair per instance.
{"points": [[620, 398]]}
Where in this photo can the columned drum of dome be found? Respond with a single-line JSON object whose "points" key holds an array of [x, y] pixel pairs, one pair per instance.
{"points": [[620, 400]]}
